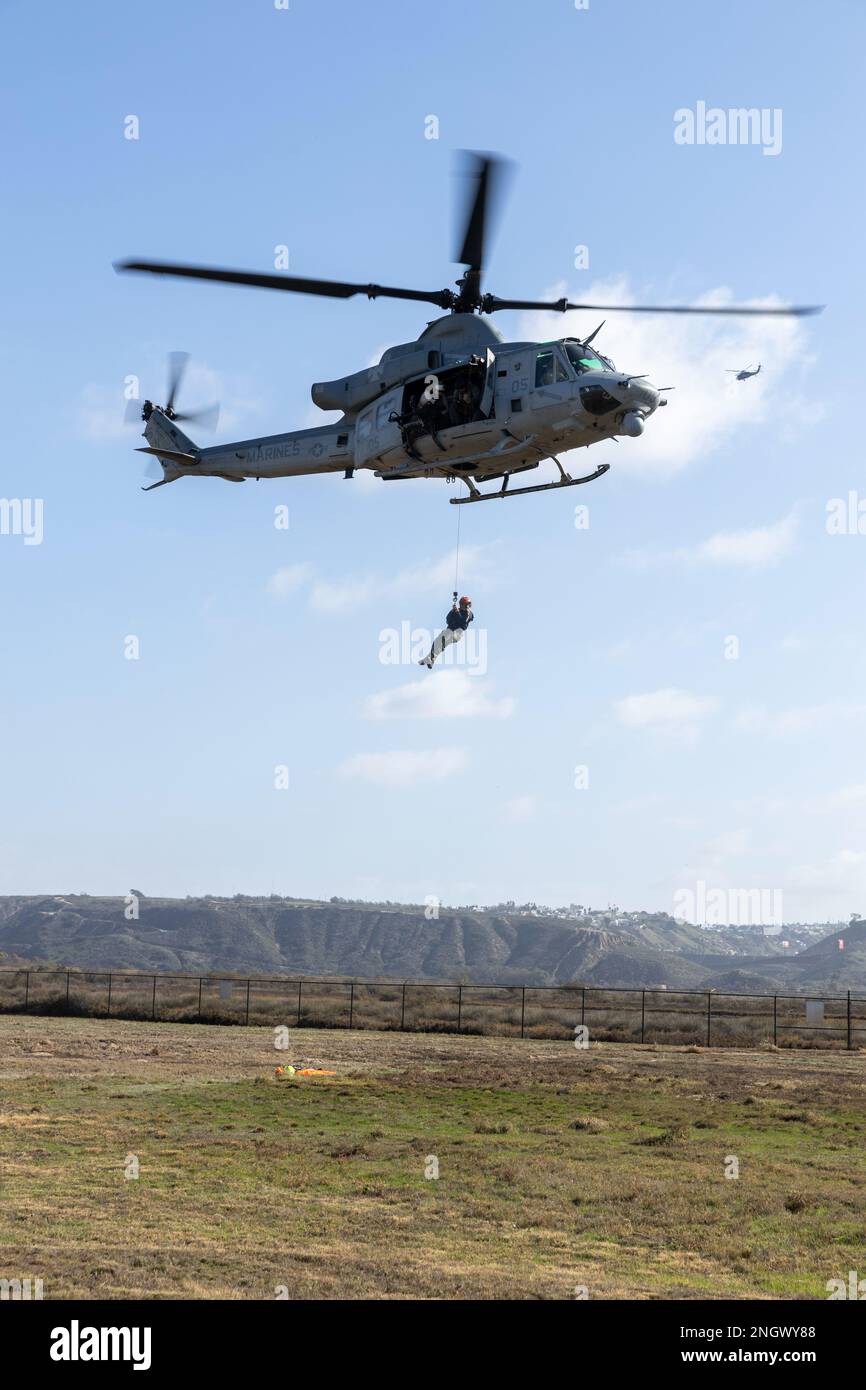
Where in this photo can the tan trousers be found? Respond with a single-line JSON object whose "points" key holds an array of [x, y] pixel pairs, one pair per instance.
{"points": [[445, 639]]}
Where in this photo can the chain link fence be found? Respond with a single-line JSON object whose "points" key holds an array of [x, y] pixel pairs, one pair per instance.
{"points": [[703, 1017]]}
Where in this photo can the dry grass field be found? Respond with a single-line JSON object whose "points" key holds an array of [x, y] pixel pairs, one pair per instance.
{"points": [[558, 1168]]}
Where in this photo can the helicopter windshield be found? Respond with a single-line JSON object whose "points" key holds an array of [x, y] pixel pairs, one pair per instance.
{"points": [[583, 359]]}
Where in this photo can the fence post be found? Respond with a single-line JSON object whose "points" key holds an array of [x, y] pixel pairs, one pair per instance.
{"points": [[351, 1002], [459, 1007], [300, 984], [642, 1013], [709, 1015], [108, 1015], [522, 1010], [775, 1018], [247, 1019], [199, 999], [849, 1020], [153, 1001], [582, 1004], [26, 989], [403, 1009], [67, 991]]}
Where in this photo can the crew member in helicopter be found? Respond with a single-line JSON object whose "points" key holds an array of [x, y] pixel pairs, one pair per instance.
{"points": [[421, 418], [461, 404], [429, 409], [456, 623], [411, 428]]}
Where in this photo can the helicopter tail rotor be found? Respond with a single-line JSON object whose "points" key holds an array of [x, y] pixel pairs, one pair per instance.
{"points": [[206, 417]]}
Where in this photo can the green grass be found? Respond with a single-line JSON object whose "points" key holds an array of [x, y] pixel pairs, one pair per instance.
{"points": [[248, 1183]]}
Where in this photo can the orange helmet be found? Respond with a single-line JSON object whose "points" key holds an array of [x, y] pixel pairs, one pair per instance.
{"points": [[465, 601]]}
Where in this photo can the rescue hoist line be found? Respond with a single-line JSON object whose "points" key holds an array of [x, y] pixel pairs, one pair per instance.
{"points": [[457, 557]]}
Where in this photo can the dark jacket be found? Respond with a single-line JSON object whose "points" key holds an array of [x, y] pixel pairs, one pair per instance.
{"points": [[457, 618]]}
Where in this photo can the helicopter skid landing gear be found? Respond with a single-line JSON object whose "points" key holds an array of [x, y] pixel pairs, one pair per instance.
{"points": [[565, 481], [474, 494]]}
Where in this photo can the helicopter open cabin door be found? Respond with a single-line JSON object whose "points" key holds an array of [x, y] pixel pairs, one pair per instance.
{"points": [[486, 403], [471, 401]]}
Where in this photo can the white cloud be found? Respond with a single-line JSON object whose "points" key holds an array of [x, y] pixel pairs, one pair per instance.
{"points": [[287, 581], [797, 719], [715, 860], [842, 799], [844, 873], [764, 545], [405, 769], [434, 576], [343, 597], [519, 809], [757, 548], [664, 708], [690, 353], [446, 694]]}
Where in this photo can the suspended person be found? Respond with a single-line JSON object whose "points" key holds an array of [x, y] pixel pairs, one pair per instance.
{"points": [[457, 621]]}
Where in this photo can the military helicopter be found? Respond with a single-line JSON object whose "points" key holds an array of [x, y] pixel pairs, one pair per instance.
{"points": [[743, 373], [458, 403]]}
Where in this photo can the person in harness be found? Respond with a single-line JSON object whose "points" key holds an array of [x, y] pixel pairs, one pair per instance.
{"points": [[457, 621]]}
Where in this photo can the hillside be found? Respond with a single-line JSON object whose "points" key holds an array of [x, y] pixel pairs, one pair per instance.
{"points": [[280, 936]]}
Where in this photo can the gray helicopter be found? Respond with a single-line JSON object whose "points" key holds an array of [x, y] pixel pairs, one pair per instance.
{"points": [[743, 373], [458, 403]]}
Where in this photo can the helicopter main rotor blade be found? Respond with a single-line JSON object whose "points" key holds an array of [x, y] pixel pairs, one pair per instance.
{"points": [[487, 172], [491, 302], [485, 180], [296, 284], [177, 364], [471, 250]]}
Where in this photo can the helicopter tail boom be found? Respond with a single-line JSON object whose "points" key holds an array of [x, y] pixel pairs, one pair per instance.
{"points": [[164, 436]]}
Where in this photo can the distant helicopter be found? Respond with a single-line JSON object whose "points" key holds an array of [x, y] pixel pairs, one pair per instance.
{"points": [[743, 373], [457, 403]]}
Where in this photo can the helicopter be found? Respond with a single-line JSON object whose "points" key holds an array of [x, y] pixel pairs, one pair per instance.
{"points": [[743, 373], [458, 403]]}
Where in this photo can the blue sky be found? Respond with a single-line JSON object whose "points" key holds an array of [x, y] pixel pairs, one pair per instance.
{"points": [[261, 648]]}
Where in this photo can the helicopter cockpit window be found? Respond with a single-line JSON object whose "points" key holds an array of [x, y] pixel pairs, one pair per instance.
{"points": [[583, 359], [544, 369], [549, 368]]}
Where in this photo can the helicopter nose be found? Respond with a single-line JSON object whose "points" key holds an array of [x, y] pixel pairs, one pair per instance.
{"points": [[643, 397]]}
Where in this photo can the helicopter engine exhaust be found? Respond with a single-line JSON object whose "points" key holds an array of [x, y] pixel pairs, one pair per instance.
{"points": [[632, 423]]}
